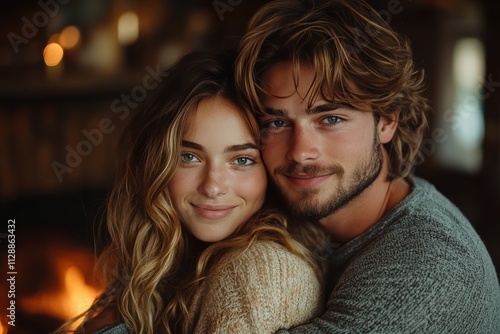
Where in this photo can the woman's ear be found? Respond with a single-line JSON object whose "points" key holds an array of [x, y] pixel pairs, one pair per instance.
{"points": [[387, 126]]}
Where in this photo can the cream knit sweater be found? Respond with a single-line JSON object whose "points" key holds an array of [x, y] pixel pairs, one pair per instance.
{"points": [[262, 290]]}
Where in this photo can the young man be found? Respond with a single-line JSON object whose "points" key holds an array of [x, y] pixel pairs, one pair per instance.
{"points": [[342, 115]]}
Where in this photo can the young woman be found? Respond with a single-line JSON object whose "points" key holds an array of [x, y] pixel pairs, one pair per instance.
{"points": [[191, 250]]}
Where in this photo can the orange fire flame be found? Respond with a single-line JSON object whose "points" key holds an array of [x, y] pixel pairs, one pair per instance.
{"points": [[3, 328], [74, 297]]}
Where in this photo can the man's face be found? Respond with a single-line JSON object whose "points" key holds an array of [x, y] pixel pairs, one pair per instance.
{"points": [[320, 157]]}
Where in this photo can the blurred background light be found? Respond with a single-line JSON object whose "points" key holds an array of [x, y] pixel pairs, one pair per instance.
{"points": [[469, 72], [54, 39], [53, 54], [468, 63], [465, 120], [102, 52], [69, 37], [128, 28]]}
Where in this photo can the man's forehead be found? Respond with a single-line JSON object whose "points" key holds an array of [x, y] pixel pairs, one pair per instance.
{"points": [[282, 81], [284, 73]]}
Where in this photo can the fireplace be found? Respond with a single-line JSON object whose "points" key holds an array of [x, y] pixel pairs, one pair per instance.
{"points": [[53, 275]]}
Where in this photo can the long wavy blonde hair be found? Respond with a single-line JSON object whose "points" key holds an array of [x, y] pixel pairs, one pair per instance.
{"points": [[150, 269], [356, 56]]}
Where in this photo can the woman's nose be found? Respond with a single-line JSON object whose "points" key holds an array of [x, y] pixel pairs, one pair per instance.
{"points": [[214, 183]]}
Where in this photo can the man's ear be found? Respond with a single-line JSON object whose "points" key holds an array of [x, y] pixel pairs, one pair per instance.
{"points": [[387, 126]]}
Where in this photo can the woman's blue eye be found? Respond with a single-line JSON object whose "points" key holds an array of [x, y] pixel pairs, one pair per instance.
{"points": [[188, 157], [244, 161]]}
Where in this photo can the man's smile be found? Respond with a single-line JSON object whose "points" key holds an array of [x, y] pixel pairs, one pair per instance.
{"points": [[306, 180]]}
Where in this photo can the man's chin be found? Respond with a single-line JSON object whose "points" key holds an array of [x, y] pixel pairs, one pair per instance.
{"points": [[308, 214], [306, 209]]}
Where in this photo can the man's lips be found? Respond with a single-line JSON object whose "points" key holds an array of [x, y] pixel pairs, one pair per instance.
{"points": [[212, 211], [306, 180]]}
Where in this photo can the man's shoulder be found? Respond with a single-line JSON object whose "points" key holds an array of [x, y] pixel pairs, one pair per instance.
{"points": [[426, 209], [427, 221], [430, 240], [424, 261]]}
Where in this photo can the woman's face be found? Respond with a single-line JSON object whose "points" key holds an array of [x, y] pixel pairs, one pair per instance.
{"points": [[221, 180]]}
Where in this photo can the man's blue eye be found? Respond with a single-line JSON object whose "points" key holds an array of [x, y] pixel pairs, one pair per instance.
{"points": [[276, 123], [331, 120]]}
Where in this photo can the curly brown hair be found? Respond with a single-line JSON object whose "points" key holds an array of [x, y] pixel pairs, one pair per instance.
{"points": [[356, 56]]}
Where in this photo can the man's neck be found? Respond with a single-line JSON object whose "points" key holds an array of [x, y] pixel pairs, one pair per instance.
{"points": [[367, 209]]}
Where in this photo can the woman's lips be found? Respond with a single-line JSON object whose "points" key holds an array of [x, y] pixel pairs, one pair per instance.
{"points": [[212, 211]]}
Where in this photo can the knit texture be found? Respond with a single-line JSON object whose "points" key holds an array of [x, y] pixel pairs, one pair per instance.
{"points": [[118, 329], [260, 291], [421, 269]]}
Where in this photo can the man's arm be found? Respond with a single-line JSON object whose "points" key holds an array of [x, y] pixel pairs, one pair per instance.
{"points": [[411, 284]]}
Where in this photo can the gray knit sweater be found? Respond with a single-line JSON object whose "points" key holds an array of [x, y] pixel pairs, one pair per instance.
{"points": [[421, 269]]}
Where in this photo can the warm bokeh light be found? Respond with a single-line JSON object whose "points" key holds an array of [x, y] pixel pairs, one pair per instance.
{"points": [[128, 28], [69, 37], [53, 54], [54, 38]]}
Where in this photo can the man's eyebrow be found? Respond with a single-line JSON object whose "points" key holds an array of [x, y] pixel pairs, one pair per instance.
{"points": [[329, 106], [232, 148], [274, 112], [326, 107]]}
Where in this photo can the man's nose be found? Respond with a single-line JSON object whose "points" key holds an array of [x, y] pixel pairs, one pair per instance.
{"points": [[303, 146]]}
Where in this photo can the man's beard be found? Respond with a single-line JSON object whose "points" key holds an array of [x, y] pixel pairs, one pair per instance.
{"points": [[308, 207]]}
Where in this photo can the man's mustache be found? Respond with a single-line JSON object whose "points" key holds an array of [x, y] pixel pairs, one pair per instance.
{"points": [[295, 169]]}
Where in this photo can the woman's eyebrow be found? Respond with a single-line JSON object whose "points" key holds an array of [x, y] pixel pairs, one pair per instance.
{"points": [[232, 148], [190, 144], [241, 147]]}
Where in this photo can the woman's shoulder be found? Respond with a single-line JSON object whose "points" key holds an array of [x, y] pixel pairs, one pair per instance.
{"points": [[270, 250], [265, 264], [267, 248], [267, 254], [259, 289]]}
